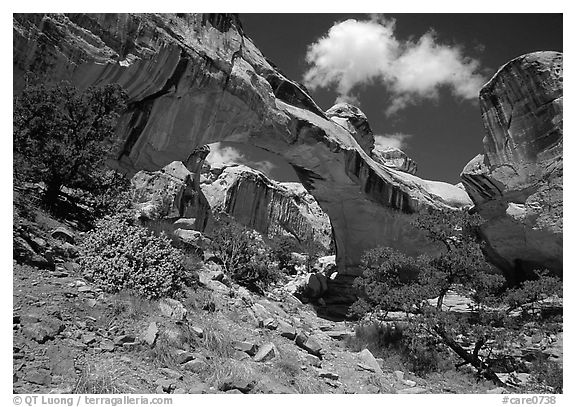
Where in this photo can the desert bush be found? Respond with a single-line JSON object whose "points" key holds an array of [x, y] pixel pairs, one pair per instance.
{"points": [[119, 255], [245, 258], [62, 136]]}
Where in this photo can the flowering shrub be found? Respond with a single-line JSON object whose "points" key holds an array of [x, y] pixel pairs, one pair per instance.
{"points": [[119, 255]]}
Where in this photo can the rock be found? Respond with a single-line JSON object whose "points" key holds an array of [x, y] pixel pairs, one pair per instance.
{"points": [[167, 385], [185, 224], [266, 352], [355, 121], [239, 355], [188, 90], [107, 345], [179, 390], [234, 391], [199, 332], [516, 184], [40, 376], [241, 385], [261, 313], [314, 360], [328, 375], [89, 338], [121, 340], [192, 238], [367, 359], [339, 335], [183, 357], [309, 344], [171, 373], [409, 383], [247, 347], [64, 234], [168, 193], [44, 330], [316, 285], [270, 323], [286, 330], [268, 206], [395, 158], [173, 309], [399, 375]]}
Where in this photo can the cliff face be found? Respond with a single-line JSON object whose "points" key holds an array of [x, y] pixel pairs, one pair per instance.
{"points": [[197, 79], [516, 185], [272, 208]]}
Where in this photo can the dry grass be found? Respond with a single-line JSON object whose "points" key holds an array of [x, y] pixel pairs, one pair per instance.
{"points": [[225, 370], [93, 381]]}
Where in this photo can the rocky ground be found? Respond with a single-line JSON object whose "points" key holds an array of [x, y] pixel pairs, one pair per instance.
{"points": [[70, 336]]}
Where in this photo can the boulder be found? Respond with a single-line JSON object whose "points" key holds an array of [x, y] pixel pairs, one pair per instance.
{"points": [[368, 360], [394, 158], [272, 208], [516, 184], [151, 334], [355, 121], [309, 344], [168, 193], [266, 352], [173, 309]]}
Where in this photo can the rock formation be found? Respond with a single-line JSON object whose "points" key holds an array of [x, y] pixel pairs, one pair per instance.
{"points": [[395, 158], [355, 121], [197, 79], [271, 208], [516, 185]]}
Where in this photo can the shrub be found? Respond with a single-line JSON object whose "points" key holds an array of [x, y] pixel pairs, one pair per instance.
{"points": [[62, 136], [245, 258], [119, 255]]}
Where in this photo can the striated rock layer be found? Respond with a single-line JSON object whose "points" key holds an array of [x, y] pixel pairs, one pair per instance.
{"points": [[516, 185], [271, 208], [198, 79]]}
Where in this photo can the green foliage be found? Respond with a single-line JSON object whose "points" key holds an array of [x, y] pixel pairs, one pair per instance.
{"points": [[282, 248], [119, 255], [63, 136], [245, 257]]}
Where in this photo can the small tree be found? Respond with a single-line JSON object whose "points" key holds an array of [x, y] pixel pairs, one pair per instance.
{"points": [[63, 136], [394, 281]]}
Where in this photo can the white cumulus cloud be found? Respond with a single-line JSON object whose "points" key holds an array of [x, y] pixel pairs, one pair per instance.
{"points": [[397, 140], [355, 53]]}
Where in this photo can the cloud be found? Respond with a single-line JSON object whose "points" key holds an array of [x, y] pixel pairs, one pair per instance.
{"points": [[223, 155], [356, 53], [397, 140]]}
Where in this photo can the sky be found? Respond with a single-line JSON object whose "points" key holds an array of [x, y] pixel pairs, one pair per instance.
{"points": [[415, 76]]}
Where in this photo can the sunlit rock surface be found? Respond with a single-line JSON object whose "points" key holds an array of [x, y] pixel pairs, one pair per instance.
{"points": [[516, 185], [272, 208], [198, 79]]}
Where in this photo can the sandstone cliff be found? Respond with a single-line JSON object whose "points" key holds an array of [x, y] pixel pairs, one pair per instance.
{"points": [[272, 208], [197, 79], [516, 185]]}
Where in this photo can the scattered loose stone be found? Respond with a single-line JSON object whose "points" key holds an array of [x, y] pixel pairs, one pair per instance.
{"points": [[123, 339], [266, 352], [309, 344], [89, 338], [410, 383], [195, 366], [368, 360], [242, 385], [184, 357], [247, 347], [180, 391], [239, 355], [63, 234], [328, 375], [171, 373], [151, 334], [173, 309], [286, 330], [41, 377], [270, 323], [197, 331]]}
